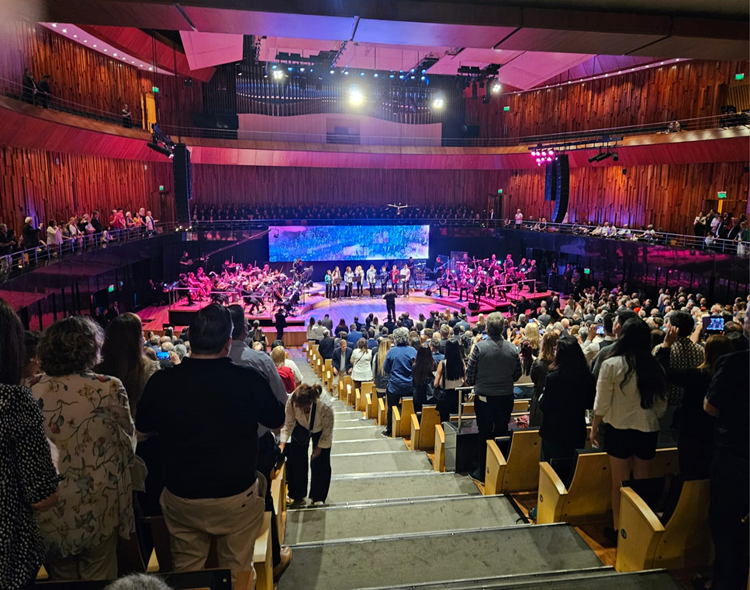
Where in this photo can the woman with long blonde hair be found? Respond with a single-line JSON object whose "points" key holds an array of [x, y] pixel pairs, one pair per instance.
{"points": [[532, 335], [378, 360]]}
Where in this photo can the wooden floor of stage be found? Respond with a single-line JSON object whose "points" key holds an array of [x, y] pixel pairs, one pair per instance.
{"points": [[316, 305]]}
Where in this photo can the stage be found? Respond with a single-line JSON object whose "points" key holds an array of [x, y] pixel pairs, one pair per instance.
{"points": [[316, 305]]}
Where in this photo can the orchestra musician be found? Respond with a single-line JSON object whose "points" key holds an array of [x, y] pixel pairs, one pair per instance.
{"points": [[298, 267], [372, 277], [348, 280], [410, 266]]}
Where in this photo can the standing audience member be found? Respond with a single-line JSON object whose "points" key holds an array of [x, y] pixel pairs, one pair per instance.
{"points": [[569, 391], [206, 412], [326, 345], [630, 399], [44, 92], [379, 373], [422, 378], [242, 354], [278, 356], [448, 377], [539, 370], [123, 356], [309, 417], [727, 401], [341, 360], [398, 364], [695, 432], [29, 479], [127, 117], [361, 360], [87, 417], [29, 86], [493, 367]]}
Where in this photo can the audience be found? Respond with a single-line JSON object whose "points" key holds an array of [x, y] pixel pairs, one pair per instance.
{"points": [[630, 400], [361, 359], [278, 356], [449, 376], [28, 475], [309, 417], [539, 370], [87, 418], [493, 366], [422, 378], [399, 362], [206, 412]]}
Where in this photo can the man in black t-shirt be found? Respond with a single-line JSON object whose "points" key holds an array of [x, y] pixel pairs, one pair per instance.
{"points": [[390, 303], [206, 411]]}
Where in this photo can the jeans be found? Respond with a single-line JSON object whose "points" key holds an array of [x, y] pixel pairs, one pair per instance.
{"points": [[493, 417], [297, 465]]}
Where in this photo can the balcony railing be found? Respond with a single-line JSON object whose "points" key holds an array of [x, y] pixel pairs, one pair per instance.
{"points": [[14, 90]]}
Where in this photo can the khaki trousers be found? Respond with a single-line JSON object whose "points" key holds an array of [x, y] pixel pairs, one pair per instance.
{"points": [[235, 522], [97, 563]]}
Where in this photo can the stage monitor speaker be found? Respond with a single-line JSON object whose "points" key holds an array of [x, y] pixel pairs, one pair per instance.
{"points": [[474, 306], [550, 182], [562, 172], [183, 184]]}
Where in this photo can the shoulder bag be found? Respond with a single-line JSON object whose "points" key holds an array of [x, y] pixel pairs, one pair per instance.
{"points": [[302, 435]]}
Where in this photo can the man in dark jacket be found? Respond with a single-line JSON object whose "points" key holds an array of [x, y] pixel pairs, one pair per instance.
{"points": [[341, 360], [326, 346]]}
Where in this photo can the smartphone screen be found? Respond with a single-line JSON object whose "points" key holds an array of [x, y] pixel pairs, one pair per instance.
{"points": [[600, 330], [162, 355]]}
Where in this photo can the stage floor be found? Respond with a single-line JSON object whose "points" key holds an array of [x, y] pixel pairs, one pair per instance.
{"points": [[316, 305]]}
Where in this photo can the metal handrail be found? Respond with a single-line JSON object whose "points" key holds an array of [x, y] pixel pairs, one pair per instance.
{"points": [[28, 258], [659, 238], [14, 90]]}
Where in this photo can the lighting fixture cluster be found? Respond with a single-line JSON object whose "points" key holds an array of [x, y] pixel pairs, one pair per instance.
{"points": [[161, 142], [603, 155], [543, 156]]}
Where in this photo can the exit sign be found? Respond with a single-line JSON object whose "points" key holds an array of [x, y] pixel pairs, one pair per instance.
{"points": [[739, 76], [155, 89], [722, 194], [499, 191], [506, 109], [161, 188]]}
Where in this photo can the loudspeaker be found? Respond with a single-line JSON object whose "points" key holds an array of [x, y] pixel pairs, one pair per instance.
{"points": [[474, 306], [550, 182], [183, 183], [562, 172]]}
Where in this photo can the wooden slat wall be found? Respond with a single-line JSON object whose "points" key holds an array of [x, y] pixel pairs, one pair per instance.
{"points": [[667, 196], [89, 78], [52, 185], [680, 91]]}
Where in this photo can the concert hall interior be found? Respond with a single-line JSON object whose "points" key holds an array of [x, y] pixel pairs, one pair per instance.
{"points": [[526, 220]]}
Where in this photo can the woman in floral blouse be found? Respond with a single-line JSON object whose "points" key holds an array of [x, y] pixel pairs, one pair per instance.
{"points": [[87, 417], [28, 479]]}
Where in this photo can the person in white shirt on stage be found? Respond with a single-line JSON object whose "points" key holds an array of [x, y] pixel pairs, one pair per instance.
{"points": [[406, 273], [348, 281]]}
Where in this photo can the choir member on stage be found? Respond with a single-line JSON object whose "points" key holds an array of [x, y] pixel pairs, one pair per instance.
{"points": [[384, 279], [372, 277], [348, 280], [359, 280], [407, 277], [336, 282], [329, 284], [395, 278]]}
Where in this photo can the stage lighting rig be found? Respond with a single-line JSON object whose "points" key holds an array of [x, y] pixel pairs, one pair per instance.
{"points": [[161, 142]]}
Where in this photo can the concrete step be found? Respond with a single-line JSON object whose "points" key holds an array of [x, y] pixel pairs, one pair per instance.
{"points": [[437, 557], [368, 446], [358, 433], [390, 487], [359, 464], [335, 523], [356, 422]]}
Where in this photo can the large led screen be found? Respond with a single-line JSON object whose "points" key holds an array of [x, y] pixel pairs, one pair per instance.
{"points": [[348, 242]]}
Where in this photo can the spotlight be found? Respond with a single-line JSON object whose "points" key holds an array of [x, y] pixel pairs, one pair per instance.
{"points": [[375, 75], [615, 157], [356, 97], [273, 67], [496, 88], [361, 73], [438, 103], [157, 148], [278, 75], [346, 72], [332, 72], [302, 69]]}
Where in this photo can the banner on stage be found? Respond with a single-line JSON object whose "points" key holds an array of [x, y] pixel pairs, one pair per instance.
{"points": [[351, 242]]}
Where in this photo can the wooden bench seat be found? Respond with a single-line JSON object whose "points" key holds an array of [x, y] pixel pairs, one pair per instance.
{"points": [[519, 472], [423, 428], [679, 539], [585, 494], [401, 425]]}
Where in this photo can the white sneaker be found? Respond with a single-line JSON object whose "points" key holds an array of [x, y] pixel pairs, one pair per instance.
{"points": [[319, 503]]}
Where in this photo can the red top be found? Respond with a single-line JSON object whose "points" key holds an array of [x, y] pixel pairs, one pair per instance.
{"points": [[287, 378]]}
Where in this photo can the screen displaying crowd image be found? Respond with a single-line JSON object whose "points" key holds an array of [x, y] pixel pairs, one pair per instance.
{"points": [[352, 242]]}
